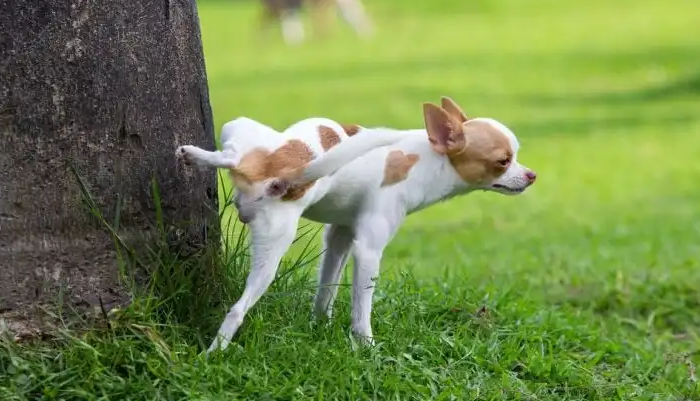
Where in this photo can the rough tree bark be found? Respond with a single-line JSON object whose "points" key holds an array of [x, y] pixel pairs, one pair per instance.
{"points": [[111, 87]]}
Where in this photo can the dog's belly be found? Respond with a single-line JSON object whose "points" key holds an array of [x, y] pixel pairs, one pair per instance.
{"points": [[333, 210]]}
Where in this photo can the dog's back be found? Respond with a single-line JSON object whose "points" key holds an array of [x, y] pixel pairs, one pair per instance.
{"points": [[243, 134], [319, 134]]}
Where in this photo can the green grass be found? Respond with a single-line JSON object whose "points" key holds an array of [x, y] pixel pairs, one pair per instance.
{"points": [[585, 288]]}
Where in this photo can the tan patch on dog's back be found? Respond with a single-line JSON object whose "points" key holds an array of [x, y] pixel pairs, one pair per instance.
{"points": [[483, 157], [397, 166], [261, 164], [329, 137], [351, 129]]}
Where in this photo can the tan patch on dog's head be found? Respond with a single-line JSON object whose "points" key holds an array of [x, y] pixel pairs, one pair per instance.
{"points": [[477, 150], [486, 157], [397, 166], [261, 164], [351, 129], [329, 137]]}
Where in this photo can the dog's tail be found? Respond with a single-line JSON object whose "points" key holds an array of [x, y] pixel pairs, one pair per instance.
{"points": [[345, 152]]}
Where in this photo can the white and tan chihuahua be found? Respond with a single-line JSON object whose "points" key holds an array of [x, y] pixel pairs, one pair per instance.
{"points": [[360, 182]]}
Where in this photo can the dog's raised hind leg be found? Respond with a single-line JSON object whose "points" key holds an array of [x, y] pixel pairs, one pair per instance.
{"points": [[204, 158], [271, 236]]}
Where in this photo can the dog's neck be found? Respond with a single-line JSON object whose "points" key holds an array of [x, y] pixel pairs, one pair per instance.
{"points": [[432, 180]]}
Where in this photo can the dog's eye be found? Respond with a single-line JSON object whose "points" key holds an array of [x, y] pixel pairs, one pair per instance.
{"points": [[504, 162]]}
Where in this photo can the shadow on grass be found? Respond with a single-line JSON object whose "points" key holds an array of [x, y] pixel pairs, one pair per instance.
{"points": [[617, 123], [685, 87], [365, 69], [688, 86]]}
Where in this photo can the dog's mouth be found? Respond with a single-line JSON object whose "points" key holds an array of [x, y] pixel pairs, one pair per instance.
{"points": [[509, 189]]}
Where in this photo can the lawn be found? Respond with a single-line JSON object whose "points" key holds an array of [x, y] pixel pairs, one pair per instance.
{"points": [[584, 288]]}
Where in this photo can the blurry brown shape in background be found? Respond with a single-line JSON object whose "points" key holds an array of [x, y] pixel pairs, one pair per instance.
{"points": [[288, 14]]}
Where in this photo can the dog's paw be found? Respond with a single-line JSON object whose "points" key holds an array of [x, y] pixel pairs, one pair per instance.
{"points": [[192, 156], [185, 153], [361, 340], [220, 343], [217, 345]]}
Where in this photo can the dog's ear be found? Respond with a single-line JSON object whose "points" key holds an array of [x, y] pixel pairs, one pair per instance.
{"points": [[453, 109], [445, 132], [277, 188]]}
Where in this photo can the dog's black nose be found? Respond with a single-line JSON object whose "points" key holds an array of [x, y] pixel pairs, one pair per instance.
{"points": [[531, 176]]}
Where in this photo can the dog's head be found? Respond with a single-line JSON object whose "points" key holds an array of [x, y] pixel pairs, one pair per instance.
{"points": [[482, 151], [249, 198]]}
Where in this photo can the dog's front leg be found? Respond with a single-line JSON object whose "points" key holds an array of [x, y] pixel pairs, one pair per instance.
{"points": [[271, 236], [372, 234]]}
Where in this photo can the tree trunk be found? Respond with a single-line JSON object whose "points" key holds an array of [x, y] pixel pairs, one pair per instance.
{"points": [[111, 88]]}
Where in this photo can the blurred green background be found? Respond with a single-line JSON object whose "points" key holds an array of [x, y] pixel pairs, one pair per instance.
{"points": [[603, 95]]}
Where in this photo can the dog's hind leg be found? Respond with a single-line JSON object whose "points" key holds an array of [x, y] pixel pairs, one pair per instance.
{"points": [[372, 234], [337, 242], [271, 236]]}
